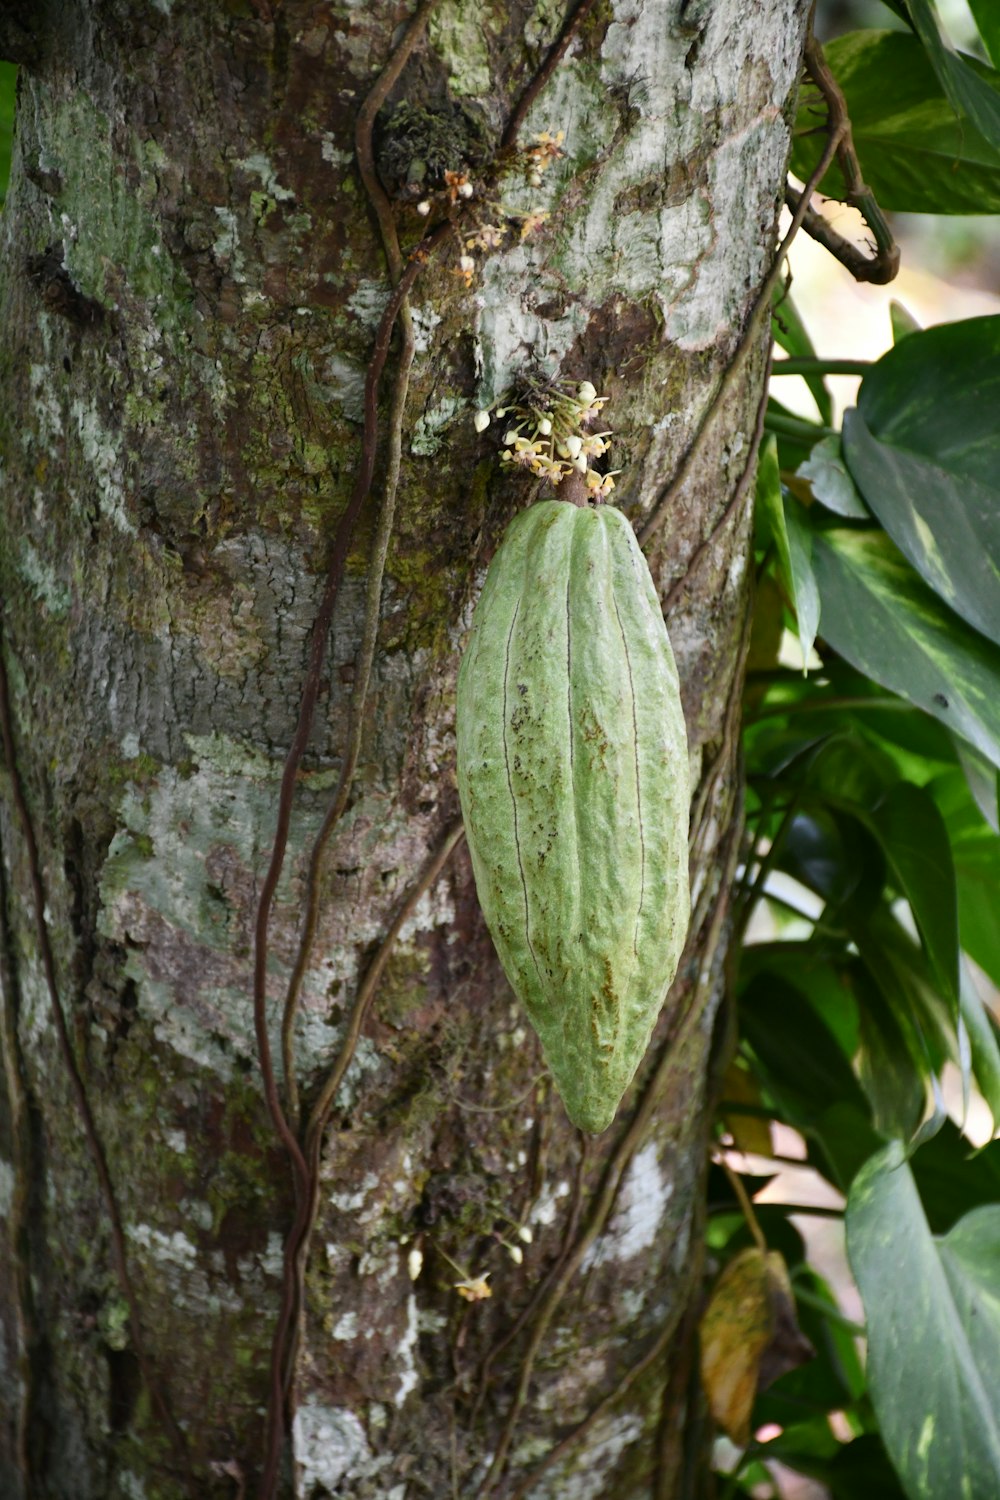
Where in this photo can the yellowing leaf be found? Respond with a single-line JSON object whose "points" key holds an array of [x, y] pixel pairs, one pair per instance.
{"points": [[749, 1131], [749, 1337]]}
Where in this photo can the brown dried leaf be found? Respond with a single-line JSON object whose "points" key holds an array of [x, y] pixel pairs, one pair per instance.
{"points": [[749, 1337]]}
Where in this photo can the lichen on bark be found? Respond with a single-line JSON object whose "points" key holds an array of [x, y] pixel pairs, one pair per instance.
{"points": [[182, 370]]}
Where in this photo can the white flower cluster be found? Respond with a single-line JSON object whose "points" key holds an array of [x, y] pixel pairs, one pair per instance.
{"points": [[548, 436]]}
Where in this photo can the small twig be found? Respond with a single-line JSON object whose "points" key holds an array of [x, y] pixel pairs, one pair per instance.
{"points": [[743, 1199], [883, 266], [94, 1147], [553, 58], [808, 365], [876, 270], [797, 427]]}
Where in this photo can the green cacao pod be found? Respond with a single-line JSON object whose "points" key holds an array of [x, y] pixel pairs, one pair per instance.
{"points": [[573, 777]]}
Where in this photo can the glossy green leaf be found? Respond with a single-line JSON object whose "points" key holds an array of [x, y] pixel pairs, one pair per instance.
{"points": [[983, 781], [813, 968], [848, 1139], [953, 1178], [987, 17], [847, 770], [881, 616], [801, 1059], [923, 447], [933, 1312], [805, 590], [947, 525], [890, 1067], [831, 481], [985, 1050], [792, 540], [936, 394], [916, 155], [770, 514], [899, 965], [970, 93], [915, 839], [976, 854]]}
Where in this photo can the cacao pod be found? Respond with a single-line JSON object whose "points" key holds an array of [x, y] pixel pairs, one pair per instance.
{"points": [[573, 778]]}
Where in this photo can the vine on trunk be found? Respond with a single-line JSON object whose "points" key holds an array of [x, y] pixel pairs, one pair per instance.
{"points": [[303, 1142]]}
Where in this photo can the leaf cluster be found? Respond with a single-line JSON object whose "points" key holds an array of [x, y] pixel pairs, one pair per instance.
{"points": [[867, 903]]}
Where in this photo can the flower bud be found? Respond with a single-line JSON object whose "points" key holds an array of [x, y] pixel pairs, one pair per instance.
{"points": [[481, 421]]}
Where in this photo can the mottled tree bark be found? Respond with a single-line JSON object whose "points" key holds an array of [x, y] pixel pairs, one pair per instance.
{"points": [[192, 276]]}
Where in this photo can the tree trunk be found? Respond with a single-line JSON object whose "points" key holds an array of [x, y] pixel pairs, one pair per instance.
{"points": [[193, 276]]}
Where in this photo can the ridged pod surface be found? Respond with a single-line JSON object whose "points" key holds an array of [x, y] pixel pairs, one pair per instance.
{"points": [[573, 777]]}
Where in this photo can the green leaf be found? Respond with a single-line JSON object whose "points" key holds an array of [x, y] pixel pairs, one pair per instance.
{"points": [[889, 1064], [846, 770], [902, 321], [933, 1310], [941, 521], [862, 1471], [983, 782], [881, 616], [793, 542], [900, 967], [805, 590], [923, 448], [770, 513], [813, 968], [970, 93], [976, 853], [937, 394], [791, 334], [848, 1139], [985, 1051], [987, 17], [802, 1062], [831, 481], [915, 155], [915, 839], [952, 1178]]}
